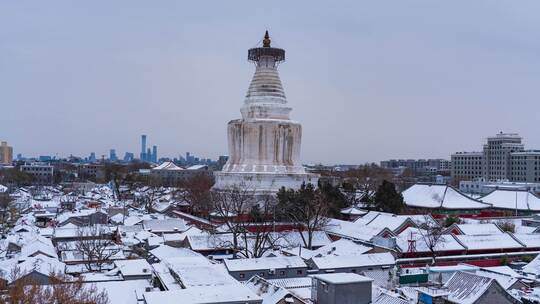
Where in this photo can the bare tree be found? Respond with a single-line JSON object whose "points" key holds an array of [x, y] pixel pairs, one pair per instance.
{"points": [[196, 191], [148, 198], [259, 233], [432, 234], [248, 217], [364, 180], [229, 205], [96, 247], [307, 208], [63, 289]]}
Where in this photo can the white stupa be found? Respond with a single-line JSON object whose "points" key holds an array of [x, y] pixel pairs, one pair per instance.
{"points": [[264, 145]]}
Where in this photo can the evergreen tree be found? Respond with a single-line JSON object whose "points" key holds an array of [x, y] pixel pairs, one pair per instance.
{"points": [[334, 197], [387, 199]]}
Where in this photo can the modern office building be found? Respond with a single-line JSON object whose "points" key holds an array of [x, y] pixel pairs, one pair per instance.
{"points": [[6, 153], [154, 154], [467, 165], [128, 156], [525, 166], [143, 148], [112, 155], [497, 150], [92, 157], [503, 158]]}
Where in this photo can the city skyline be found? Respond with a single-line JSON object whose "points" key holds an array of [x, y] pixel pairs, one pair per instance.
{"points": [[368, 81]]}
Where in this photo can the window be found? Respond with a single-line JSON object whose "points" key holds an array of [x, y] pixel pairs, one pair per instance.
{"points": [[325, 286], [242, 276], [281, 272], [261, 274], [299, 272]]}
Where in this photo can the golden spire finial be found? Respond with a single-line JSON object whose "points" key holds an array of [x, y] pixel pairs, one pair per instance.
{"points": [[266, 40]]}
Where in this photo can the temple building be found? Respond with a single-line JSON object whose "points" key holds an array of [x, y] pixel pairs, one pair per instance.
{"points": [[264, 145]]}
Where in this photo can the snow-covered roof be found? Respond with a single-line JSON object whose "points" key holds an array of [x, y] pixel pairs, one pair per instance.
{"points": [[123, 292], [209, 241], [167, 166], [483, 242], [512, 199], [39, 246], [439, 196], [117, 218], [74, 232], [270, 293], [479, 229], [446, 242], [264, 263], [132, 220], [505, 281], [138, 267], [164, 252], [42, 264], [467, 288], [533, 267], [165, 225], [353, 231], [203, 275], [363, 260], [503, 270], [341, 247], [294, 238], [196, 167], [353, 211], [385, 298], [530, 240], [62, 217], [203, 295], [383, 220], [342, 278]]}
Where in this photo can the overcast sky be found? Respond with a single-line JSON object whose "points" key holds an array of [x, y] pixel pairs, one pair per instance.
{"points": [[368, 80]]}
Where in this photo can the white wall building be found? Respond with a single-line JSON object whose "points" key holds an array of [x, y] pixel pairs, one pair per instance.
{"points": [[482, 186]]}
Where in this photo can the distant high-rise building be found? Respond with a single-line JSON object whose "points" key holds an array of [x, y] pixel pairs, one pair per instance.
{"points": [[497, 152], [112, 155], [503, 158], [92, 158], [143, 148], [128, 157], [6, 154], [154, 154]]}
